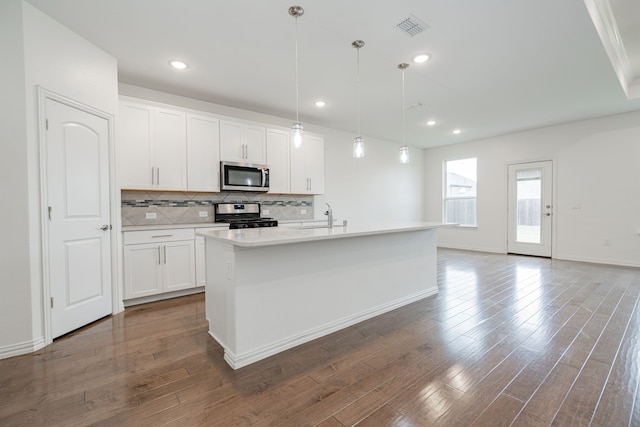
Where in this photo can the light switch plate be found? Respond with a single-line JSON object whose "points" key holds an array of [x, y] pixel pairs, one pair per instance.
{"points": [[151, 215], [303, 211], [265, 211], [203, 214]]}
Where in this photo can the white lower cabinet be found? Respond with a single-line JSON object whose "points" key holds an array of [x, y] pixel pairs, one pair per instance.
{"points": [[158, 261], [201, 273]]}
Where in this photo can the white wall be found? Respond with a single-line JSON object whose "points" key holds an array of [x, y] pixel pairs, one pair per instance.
{"points": [[15, 292], [596, 188], [53, 57], [376, 188]]}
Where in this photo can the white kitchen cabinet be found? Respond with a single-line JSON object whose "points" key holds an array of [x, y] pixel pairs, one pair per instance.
{"points": [[158, 261], [203, 153], [152, 144], [201, 271], [242, 142], [278, 161], [307, 166]]}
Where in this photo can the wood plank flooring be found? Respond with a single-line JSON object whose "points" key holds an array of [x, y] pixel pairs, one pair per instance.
{"points": [[509, 340]]}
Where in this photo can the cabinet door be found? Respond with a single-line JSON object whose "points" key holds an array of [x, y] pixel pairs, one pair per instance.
{"points": [[171, 149], [201, 273], [142, 270], [307, 166], [135, 146], [231, 144], [255, 144], [314, 164], [179, 265], [243, 143], [203, 150], [278, 161]]}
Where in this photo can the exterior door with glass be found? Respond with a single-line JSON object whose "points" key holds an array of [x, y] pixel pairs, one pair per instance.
{"points": [[530, 208]]}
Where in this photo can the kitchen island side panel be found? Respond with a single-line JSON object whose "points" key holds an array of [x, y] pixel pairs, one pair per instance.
{"points": [[281, 296]]}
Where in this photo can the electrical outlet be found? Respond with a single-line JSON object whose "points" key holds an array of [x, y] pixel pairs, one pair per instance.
{"points": [[151, 215], [203, 214], [303, 211], [265, 211]]}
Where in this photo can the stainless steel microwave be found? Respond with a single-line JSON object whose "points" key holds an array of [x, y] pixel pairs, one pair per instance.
{"points": [[243, 177]]}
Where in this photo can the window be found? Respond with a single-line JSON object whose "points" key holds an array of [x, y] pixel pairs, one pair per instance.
{"points": [[460, 192]]}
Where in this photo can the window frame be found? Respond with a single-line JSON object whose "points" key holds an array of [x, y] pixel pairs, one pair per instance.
{"points": [[445, 192]]}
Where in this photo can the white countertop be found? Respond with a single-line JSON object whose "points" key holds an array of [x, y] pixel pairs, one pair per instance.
{"points": [[257, 237]]}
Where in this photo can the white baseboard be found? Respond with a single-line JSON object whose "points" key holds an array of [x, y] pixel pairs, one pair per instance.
{"points": [[472, 248], [598, 260], [21, 348], [160, 297], [239, 360]]}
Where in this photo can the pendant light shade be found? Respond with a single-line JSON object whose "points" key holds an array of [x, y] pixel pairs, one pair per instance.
{"points": [[296, 128], [358, 142], [404, 154], [404, 150]]}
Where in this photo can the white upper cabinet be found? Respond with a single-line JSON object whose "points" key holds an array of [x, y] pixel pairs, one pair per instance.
{"points": [[242, 142], [203, 149], [307, 166], [152, 145], [278, 161]]}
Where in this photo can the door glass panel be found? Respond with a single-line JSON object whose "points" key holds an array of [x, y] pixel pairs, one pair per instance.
{"points": [[529, 208]]}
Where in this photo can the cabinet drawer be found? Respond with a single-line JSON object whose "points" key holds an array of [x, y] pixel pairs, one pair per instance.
{"points": [[152, 236]]}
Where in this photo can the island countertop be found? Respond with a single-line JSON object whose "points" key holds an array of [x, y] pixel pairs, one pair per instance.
{"points": [[268, 236]]}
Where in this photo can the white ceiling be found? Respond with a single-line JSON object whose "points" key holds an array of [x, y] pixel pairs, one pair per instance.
{"points": [[497, 66]]}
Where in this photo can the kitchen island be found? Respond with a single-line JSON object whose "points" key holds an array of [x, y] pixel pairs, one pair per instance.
{"points": [[270, 289]]}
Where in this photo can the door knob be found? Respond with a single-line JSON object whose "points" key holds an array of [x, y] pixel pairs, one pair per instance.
{"points": [[106, 227], [548, 214]]}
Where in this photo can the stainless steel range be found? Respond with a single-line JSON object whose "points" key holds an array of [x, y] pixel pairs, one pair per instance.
{"points": [[242, 215]]}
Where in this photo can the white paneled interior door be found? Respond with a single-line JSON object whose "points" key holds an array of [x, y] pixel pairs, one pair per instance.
{"points": [[79, 244], [530, 187]]}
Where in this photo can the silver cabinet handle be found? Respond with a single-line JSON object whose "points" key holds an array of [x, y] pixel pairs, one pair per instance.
{"points": [[158, 175], [159, 260], [162, 235], [153, 175], [164, 249]]}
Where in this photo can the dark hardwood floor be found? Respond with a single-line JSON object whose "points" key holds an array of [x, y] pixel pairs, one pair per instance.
{"points": [[509, 340]]}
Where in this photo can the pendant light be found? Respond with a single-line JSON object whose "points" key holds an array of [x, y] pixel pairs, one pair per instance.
{"points": [[296, 128], [358, 142], [404, 150]]}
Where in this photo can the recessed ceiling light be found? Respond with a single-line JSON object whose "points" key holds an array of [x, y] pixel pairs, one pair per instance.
{"points": [[421, 58], [178, 65], [456, 131], [431, 123], [320, 103]]}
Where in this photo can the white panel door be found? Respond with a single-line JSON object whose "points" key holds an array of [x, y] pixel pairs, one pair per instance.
{"points": [[203, 148], [179, 265], [255, 143], [232, 147], [278, 161], [77, 145], [135, 146], [530, 210], [171, 149], [142, 270]]}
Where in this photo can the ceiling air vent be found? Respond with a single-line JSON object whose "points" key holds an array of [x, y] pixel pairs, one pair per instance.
{"points": [[412, 25]]}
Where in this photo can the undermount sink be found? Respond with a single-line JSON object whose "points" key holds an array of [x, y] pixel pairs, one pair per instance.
{"points": [[309, 227]]}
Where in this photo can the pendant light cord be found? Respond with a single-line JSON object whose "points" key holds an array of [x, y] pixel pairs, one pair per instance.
{"points": [[358, 91], [403, 125], [297, 89]]}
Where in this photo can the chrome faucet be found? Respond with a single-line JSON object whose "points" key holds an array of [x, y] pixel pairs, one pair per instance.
{"points": [[329, 214]]}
